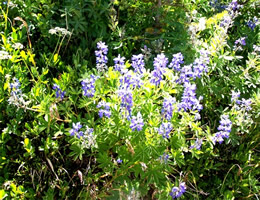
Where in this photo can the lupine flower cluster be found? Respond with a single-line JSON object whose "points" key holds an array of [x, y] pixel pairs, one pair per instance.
{"points": [[189, 100], [137, 122], [159, 63], [200, 64], [138, 63], [234, 5], [87, 135], [241, 104], [241, 41], [131, 79], [223, 129], [197, 144], [59, 92], [235, 96], [15, 87], [196, 69], [216, 5], [185, 74], [253, 23], [165, 129], [105, 109], [164, 158], [88, 86], [119, 64], [101, 56], [76, 130], [16, 95], [177, 60], [126, 99], [168, 106], [177, 192], [226, 21]]}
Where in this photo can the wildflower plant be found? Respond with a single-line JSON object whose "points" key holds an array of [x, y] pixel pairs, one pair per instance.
{"points": [[131, 126]]}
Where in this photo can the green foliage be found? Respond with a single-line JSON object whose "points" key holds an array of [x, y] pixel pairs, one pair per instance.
{"points": [[41, 158]]}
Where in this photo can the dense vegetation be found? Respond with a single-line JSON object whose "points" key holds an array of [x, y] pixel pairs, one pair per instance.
{"points": [[129, 99]]}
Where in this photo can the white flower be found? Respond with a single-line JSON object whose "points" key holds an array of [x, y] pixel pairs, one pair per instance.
{"points": [[202, 24], [59, 31], [4, 55], [17, 45]]}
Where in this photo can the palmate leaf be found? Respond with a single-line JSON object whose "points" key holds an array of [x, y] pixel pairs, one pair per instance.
{"points": [[77, 151]]}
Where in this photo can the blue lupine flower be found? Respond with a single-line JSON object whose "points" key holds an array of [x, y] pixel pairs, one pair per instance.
{"points": [[137, 122], [177, 192], [88, 137], [177, 60], [75, 129], [216, 5], [88, 86], [119, 161], [252, 23], [246, 104], [101, 56], [197, 144], [168, 106], [200, 64], [119, 64], [157, 76], [59, 92], [186, 74], [164, 158], [126, 98], [223, 129], [165, 129], [15, 87], [234, 5], [159, 64], [241, 104], [189, 100], [16, 96], [105, 109], [138, 63], [241, 41], [235, 96], [160, 61], [129, 79], [226, 21]]}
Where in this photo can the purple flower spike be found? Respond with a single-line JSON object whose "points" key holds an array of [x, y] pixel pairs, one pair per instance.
{"points": [[223, 129], [165, 129], [88, 86], [177, 192], [59, 92], [168, 106], [137, 122], [119, 64], [101, 56], [105, 109], [138, 63]]}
